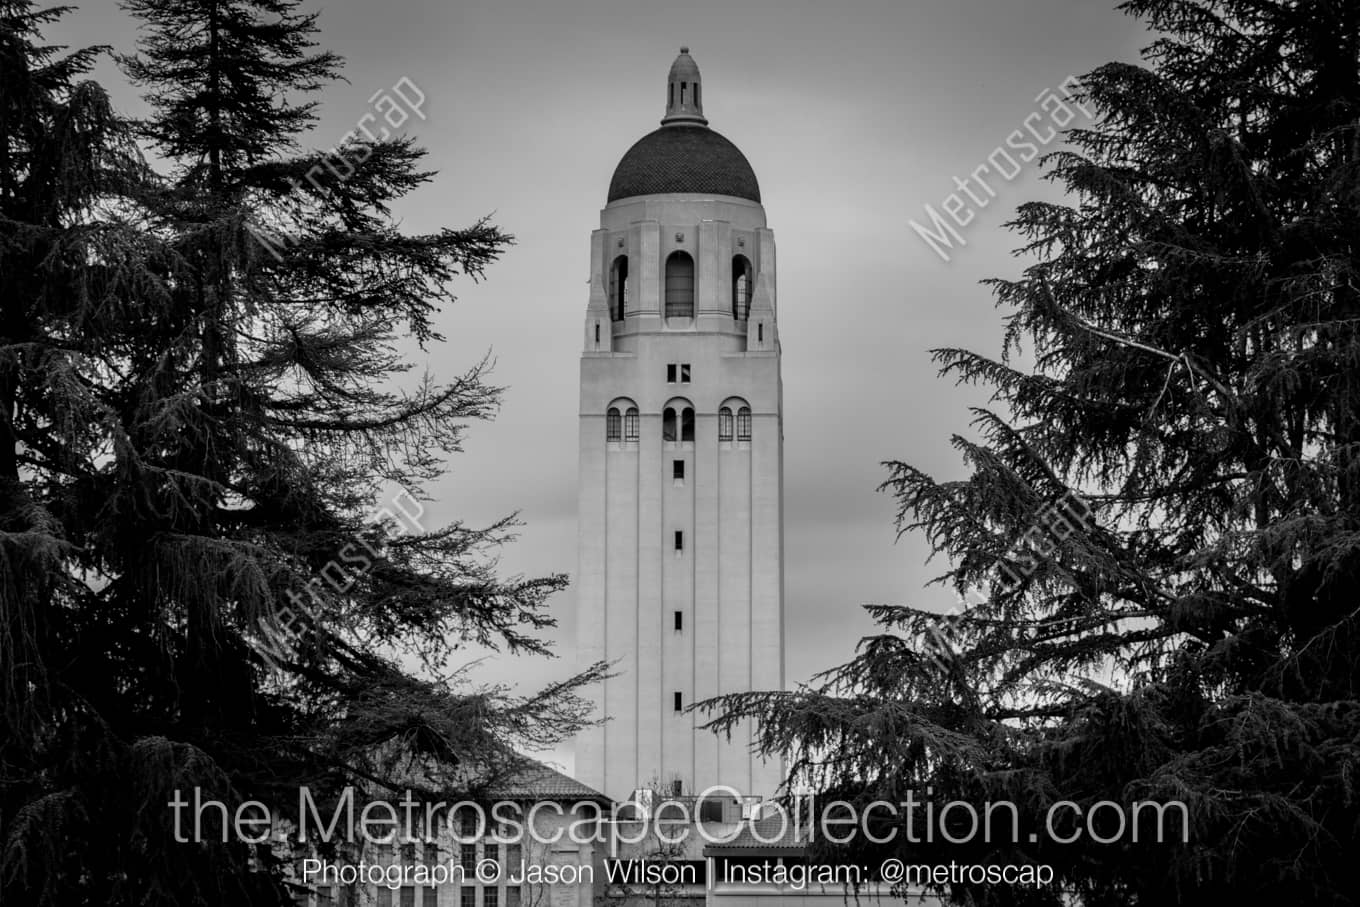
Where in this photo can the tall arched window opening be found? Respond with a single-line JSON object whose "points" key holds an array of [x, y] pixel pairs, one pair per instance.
{"points": [[744, 424], [630, 424], [679, 286], [618, 287], [742, 281], [686, 424], [725, 424], [613, 425], [668, 426]]}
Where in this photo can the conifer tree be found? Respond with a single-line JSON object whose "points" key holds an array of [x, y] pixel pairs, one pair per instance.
{"points": [[214, 572], [1156, 540]]}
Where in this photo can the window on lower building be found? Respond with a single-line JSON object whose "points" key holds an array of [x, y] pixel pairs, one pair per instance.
{"points": [[630, 424], [724, 424], [384, 898], [613, 425], [743, 424], [408, 854], [710, 810], [468, 824], [467, 897], [429, 897], [678, 470], [431, 853], [679, 701], [407, 896], [467, 859], [491, 897], [679, 620], [513, 857], [512, 896]]}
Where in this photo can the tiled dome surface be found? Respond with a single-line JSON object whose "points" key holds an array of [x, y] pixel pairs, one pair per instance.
{"points": [[684, 159]]}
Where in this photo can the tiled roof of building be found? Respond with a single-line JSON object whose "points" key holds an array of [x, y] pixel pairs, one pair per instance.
{"points": [[683, 158], [532, 780], [764, 834]]}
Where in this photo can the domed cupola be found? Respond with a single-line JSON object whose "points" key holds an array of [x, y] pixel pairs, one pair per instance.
{"points": [[684, 106], [684, 155]]}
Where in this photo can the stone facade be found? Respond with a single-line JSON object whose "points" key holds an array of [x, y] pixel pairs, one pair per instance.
{"points": [[680, 578]]}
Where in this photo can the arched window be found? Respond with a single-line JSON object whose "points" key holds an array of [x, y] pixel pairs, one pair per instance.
{"points": [[742, 287], [744, 424], [679, 286], [613, 425], [630, 424], [618, 287], [677, 422], [725, 424]]}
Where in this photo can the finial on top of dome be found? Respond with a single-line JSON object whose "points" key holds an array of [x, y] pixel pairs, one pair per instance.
{"points": [[684, 105]]}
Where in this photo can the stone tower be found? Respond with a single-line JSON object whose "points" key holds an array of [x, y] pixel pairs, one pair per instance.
{"points": [[681, 459]]}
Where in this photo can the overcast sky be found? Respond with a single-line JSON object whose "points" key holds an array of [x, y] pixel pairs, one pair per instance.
{"points": [[854, 116]]}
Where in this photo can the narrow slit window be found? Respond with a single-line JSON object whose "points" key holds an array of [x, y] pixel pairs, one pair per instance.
{"points": [[687, 424], [679, 540], [760, 332], [670, 373], [679, 701], [679, 620], [684, 373], [678, 470]]}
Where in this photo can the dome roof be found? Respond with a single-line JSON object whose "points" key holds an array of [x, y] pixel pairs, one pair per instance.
{"points": [[684, 155], [684, 158]]}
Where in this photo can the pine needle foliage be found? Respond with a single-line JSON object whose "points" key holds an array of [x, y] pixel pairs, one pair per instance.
{"points": [[1192, 326], [200, 432]]}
